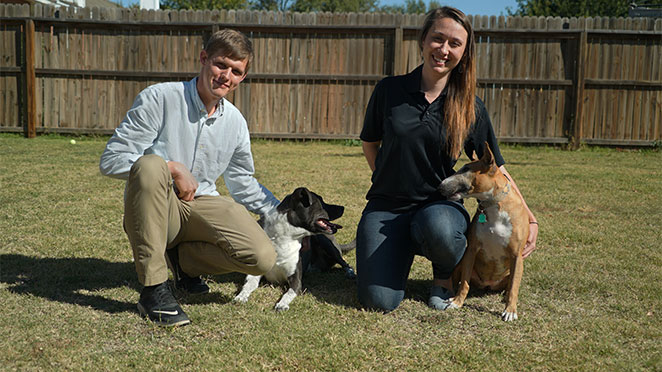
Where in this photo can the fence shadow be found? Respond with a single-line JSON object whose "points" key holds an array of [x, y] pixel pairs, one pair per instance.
{"points": [[69, 280]]}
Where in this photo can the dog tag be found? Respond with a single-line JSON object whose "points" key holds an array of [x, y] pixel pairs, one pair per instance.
{"points": [[482, 218]]}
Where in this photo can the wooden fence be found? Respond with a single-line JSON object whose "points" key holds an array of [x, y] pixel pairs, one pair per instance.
{"points": [[544, 80]]}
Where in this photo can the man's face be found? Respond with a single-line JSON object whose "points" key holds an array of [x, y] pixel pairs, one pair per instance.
{"points": [[219, 76]]}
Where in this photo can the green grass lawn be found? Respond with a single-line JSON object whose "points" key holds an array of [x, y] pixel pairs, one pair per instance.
{"points": [[591, 297]]}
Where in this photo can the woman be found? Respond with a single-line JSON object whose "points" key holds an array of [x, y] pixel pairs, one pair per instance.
{"points": [[415, 128]]}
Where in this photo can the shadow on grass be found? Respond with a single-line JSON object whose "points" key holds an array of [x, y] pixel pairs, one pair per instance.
{"points": [[419, 290], [329, 287], [74, 281], [332, 287], [69, 280]]}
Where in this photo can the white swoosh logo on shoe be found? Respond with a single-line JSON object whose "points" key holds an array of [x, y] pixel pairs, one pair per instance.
{"points": [[166, 312]]}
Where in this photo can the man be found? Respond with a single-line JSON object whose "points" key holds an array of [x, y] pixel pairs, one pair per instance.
{"points": [[173, 144]]}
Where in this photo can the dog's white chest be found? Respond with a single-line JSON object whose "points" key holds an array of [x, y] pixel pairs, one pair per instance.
{"points": [[287, 257], [286, 240], [494, 234]]}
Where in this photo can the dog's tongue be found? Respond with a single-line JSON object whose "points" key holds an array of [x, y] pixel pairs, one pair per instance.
{"points": [[328, 226]]}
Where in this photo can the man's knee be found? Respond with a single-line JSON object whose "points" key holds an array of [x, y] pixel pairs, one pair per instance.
{"points": [[262, 260], [149, 169]]}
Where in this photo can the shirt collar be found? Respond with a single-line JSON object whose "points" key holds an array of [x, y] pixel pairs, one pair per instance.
{"points": [[413, 84], [199, 105]]}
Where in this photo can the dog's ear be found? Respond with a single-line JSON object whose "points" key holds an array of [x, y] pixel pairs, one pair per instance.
{"points": [[304, 195], [288, 203], [334, 211], [488, 157]]}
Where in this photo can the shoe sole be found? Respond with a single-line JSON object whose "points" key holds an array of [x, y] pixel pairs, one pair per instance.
{"points": [[143, 313]]}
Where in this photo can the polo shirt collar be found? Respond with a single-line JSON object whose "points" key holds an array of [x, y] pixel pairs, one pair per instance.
{"points": [[413, 82]]}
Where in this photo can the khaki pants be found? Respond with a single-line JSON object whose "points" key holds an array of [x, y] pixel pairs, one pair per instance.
{"points": [[214, 234]]}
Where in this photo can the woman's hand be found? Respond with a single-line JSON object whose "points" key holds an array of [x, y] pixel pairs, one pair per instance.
{"points": [[531, 240]]}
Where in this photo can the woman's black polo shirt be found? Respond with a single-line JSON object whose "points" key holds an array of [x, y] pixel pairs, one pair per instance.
{"points": [[412, 160]]}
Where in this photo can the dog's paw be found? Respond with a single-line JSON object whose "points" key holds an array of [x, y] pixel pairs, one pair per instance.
{"points": [[451, 305], [350, 273], [240, 298], [281, 307], [508, 316]]}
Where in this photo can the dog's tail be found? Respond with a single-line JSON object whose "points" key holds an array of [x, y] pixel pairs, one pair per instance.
{"points": [[344, 248]]}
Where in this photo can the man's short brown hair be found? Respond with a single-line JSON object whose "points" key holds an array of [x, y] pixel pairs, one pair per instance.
{"points": [[232, 44]]}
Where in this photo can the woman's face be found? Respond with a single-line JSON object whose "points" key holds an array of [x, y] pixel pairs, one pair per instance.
{"points": [[443, 46]]}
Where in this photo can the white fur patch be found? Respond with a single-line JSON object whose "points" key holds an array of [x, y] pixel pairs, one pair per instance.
{"points": [[482, 196], [495, 233], [286, 240], [250, 285], [284, 303]]}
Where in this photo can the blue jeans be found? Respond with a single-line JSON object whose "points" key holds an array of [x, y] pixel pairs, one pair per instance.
{"points": [[386, 243]]}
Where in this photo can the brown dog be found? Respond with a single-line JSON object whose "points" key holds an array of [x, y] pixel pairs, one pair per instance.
{"points": [[497, 233]]}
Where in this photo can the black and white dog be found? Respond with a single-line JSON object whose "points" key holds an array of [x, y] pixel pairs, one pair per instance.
{"points": [[302, 213]]}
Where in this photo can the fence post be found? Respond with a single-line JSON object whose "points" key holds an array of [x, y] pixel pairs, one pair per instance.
{"points": [[398, 57], [29, 82], [578, 122]]}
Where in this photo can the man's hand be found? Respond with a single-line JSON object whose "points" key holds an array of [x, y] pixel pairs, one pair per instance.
{"points": [[185, 183]]}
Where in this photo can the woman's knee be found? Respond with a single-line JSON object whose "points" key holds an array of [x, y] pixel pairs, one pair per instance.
{"points": [[379, 298], [440, 231]]}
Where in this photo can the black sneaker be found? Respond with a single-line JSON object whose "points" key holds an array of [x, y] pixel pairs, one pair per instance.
{"points": [[188, 284], [159, 305]]}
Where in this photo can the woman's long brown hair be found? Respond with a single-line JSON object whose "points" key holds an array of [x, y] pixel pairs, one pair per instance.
{"points": [[459, 108]]}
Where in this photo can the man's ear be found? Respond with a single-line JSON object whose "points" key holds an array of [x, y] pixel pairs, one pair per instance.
{"points": [[203, 57], [245, 72]]}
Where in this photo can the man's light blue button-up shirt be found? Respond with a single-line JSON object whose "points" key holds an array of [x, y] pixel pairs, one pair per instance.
{"points": [[170, 120]]}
